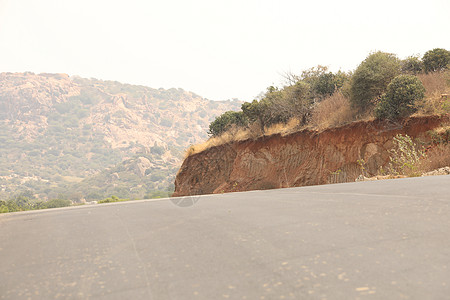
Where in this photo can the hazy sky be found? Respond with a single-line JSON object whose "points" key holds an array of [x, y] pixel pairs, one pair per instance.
{"points": [[217, 49]]}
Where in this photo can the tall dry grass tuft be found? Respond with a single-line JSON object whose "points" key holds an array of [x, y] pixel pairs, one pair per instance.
{"points": [[438, 152], [437, 157], [253, 131], [232, 135], [282, 128], [436, 84], [333, 111]]}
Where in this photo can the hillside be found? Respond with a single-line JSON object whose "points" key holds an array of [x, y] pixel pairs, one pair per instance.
{"points": [[76, 138], [324, 127], [302, 158]]}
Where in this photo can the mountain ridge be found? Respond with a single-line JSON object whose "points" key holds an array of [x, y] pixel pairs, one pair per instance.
{"points": [[60, 134]]}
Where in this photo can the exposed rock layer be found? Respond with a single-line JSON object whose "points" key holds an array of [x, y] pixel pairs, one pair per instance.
{"points": [[298, 159]]}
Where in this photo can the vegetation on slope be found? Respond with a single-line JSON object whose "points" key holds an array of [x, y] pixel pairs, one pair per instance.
{"points": [[87, 139], [382, 86]]}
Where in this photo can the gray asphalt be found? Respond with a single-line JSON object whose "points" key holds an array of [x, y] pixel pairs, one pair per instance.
{"points": [[370, 240]]}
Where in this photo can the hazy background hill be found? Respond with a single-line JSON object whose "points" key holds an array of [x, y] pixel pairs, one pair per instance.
{"points": [[76, 138]]}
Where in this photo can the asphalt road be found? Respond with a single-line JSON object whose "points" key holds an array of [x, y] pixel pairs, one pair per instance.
{"points": [[369, 240]]}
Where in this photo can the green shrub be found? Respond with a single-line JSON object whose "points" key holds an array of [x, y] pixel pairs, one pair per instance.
{"points": [[225, 121], [322, 82], [405, 156], [435, 60], [412, 65], [327, 83], [371, 79], [4, 209], [296, 102], [400, 99], [281, 105], [112, 199], [54, 203], [256, 111], [276, 105], [157, 194]]}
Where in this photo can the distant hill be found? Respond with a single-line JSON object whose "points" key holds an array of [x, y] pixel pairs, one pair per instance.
{"points": [[76, 138]]}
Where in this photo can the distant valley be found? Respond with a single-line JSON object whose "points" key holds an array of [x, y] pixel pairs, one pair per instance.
{"points": [[87, 139]]}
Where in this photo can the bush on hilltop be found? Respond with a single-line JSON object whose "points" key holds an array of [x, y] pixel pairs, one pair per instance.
{"points": [[400, 99], [371, 79], [436, 60]]}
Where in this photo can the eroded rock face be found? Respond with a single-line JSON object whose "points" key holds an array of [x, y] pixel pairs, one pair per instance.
{"points": [[299, 159]]}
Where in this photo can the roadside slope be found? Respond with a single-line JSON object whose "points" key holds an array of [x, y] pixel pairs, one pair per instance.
{"points": [[298, 159]]}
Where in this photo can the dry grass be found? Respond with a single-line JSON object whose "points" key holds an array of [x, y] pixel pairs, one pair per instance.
{"points": [[234, 134], [437, 157], [441, 135], [332, 111], [212, 142], [241, 134], [283, 129], [436, 84]]}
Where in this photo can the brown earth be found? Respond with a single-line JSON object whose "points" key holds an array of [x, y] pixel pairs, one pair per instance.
{"points": [[298, 159]]}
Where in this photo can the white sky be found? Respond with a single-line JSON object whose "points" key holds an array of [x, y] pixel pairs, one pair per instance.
{"points": [[217, 49]]}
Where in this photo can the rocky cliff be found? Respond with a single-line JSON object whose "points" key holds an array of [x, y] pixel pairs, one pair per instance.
{"points": [[298, 159]]}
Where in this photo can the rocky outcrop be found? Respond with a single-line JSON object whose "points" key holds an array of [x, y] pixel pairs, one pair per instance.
{"points": [[122, 139], [298, 159], [440, 171]]}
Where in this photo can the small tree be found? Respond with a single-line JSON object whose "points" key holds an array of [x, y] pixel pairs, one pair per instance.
{"points": [[296, 102], [225, 121], [371, 78], [412, 65], [400, 98], [325, 84], [312, 74], [262, 112], [279, 106], [435, 60]]}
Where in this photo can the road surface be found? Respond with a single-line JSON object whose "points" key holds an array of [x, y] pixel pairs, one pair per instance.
{"points": [[368, 240]]}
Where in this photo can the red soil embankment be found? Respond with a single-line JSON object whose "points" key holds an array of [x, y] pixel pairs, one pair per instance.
{"points": [[298, 159]]}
